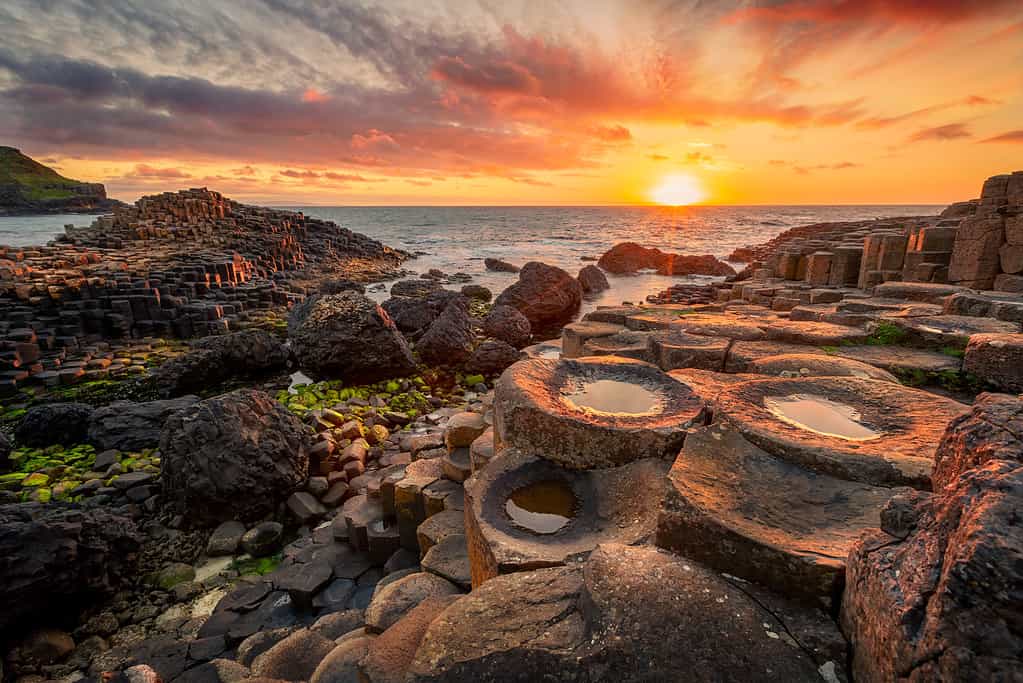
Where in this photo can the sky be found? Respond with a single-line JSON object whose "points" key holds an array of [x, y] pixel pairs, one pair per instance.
{"points": [[519, 101]]}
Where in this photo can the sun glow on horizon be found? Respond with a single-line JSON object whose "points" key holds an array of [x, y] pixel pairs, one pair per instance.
{"points": [[678, 189]]}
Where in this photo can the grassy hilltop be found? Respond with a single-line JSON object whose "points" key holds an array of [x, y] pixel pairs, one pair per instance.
{"points": [[26, 186]]}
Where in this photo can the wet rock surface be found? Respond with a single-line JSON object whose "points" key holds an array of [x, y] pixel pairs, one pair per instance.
{"points": [[214, 360]]}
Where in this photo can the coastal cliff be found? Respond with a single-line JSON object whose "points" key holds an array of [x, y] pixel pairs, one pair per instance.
{"points": [[28, 187]]}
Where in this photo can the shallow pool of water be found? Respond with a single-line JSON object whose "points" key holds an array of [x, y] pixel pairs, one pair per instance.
{"points": [[543, 507], [614, 396], [820, 415]]}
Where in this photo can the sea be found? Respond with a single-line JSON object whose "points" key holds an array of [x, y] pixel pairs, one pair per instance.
{"points": [[458, 238]]}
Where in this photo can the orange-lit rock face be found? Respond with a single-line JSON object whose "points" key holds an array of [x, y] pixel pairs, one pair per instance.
{"points": [[523, 512], [594, 412], [858, 429]]}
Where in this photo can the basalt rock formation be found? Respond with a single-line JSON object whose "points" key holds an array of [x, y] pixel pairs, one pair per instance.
{"points": [[629, 257]]}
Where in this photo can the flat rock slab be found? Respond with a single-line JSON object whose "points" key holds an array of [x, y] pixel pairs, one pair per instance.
{"points": [[612, 314], [575, 335], [657, 318], [742, 353], [723, 325], [674, 349], [606, 509], [816, 365], [734, 507], [814, 333], [947, 330], [449, 559], [552, 409], [628, 344], [628, 614], [928, 292], [856, 429], [901, 360], [547, 349]]}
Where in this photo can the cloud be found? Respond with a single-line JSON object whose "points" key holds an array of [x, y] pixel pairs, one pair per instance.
{"points": [[950, 131], [145, 171], [611, 133], [1014, 136], [805, 170], [244, 171], [658, 157]]}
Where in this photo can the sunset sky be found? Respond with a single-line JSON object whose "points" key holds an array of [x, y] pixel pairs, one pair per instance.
{"points": [[519, 102]]}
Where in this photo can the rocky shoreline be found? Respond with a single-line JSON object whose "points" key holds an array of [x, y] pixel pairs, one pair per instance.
{"points": [[808, 470]]}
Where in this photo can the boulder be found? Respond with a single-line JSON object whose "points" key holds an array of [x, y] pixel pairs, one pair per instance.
{"points": [[508, 325], [492, 357], [629, 257], [449, 339], [129, 426], [348, 336], [213, 360], [627, 614], [232, 457], [391, 602], [478, 292], [414, 315], [415, 288], [934, 594], [592, 280], [342, 664], [388, 656], [543, 294], [499, 266], [295, 658], [342, 285], [55, 557], [54, 423]]}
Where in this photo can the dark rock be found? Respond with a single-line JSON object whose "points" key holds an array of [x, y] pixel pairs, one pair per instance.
{"points": [[492, 357], [449, 339], [338, 286], [303, 581], [499, 266], [47, 646], [215, 359], [336, 596], [304, 506], [5, 451], [235, 455], [129, 426], [592, 280], [263, 539], [991, 430], [347, 336], [225, 539], [478, 292], [205, 649], [415, 288], [260, 642], [54, 423], [544, 294], [506, 324], [54, 556], [413, 315], [629, 257]]}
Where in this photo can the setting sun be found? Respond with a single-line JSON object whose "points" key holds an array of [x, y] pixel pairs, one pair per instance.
{"points": [[678, 190]]}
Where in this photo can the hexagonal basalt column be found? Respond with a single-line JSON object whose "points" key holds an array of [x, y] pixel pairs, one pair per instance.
{"points": [[596, 412], [862, 430], [523, 512]]}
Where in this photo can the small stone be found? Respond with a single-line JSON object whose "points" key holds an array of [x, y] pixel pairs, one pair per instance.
{"points": [[225, 539], [262, 539]]}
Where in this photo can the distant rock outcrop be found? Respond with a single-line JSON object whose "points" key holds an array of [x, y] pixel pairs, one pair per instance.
{"points": [[27, 187], [629, 257]]}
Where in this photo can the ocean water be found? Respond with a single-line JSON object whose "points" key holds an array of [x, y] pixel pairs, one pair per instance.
{"points": [[457, 239]]}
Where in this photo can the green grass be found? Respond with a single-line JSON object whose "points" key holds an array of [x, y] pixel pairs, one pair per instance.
{"points": [[37, 182], [886, 334]]}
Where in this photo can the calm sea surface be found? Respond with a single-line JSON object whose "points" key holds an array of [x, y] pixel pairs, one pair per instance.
{"points": [[459, 238]]}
